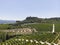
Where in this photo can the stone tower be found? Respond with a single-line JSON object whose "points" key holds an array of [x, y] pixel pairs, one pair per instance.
{"points": [[53, 30]]}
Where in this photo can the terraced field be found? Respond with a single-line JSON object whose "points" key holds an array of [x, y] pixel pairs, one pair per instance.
{"points": [[43, 36], [33, 39]]}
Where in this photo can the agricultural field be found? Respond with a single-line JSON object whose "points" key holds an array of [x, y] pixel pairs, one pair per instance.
{"points": [[44, 27], [41, 26], [42, 35]]}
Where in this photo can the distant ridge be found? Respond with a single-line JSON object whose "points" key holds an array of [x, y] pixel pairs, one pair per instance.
{"points": [[7, 21], [33, 20], [41, 20]]}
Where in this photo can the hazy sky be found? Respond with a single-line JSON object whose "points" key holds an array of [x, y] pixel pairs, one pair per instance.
{"points": [[20, 9]]}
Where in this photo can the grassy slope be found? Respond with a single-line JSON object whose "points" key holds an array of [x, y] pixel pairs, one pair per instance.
{"points": [[41, 26]]}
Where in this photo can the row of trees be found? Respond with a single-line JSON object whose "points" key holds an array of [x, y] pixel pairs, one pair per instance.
{"points": [[2, 37], [5, 36]]}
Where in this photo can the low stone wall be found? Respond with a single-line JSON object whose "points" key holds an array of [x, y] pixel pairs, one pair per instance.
{"points": [[21, 30]]}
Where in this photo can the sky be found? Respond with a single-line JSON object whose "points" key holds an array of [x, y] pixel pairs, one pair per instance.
{"points": [[20, 9]]}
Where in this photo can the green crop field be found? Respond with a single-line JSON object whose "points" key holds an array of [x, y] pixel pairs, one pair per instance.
{"points": [[44, 27], [44, 34], [41, 27]]}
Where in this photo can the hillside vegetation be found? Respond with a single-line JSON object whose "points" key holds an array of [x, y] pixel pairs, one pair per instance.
{"points": [[41, 20], [38, 30]]}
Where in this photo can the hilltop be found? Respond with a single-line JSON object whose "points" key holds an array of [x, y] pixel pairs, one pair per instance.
{"points": [[40, 20]]}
